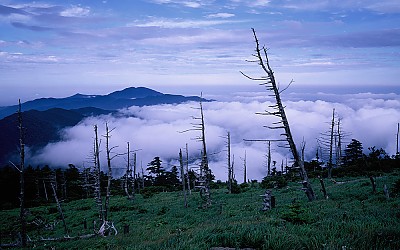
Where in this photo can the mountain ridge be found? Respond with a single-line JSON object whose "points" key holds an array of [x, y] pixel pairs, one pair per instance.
{"points": [[43, 118], [131, 96]]}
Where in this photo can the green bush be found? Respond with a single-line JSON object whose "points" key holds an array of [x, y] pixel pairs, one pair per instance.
{"points": [[396, 188], [296, 214], [274, 182], [148, 192]]}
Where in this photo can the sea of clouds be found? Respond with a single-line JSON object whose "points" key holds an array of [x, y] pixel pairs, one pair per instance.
{"points": [[157, 130]]}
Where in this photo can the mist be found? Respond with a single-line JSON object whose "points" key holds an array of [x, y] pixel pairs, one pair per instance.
{"points": [[157, 131]]}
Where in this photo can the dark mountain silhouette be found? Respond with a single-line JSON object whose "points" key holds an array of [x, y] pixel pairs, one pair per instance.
{"points": [[40, 128], [133, 96], [44, 118]]}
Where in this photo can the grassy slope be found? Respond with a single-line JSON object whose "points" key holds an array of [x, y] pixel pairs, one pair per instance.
{"points": [[351, 217]]}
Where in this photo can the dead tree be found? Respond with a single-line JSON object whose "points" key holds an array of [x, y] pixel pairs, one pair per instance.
{"points": [[230, 166], [21, 170], [269, 158], [373, 183], [331, 142], [338, 143], [59, 208], [109, 173], [204, 178], [244, 168], [97, 174], [323, 189], [269, 81], [187, 169], [129, 176], [182, 177], [330, 164], [397, 140]]}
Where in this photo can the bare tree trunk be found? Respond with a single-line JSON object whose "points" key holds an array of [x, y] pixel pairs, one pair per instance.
{"points": [[183, 177], [97, 175], [280, 112], [323, 188], [330, 164], [204, 177], [134, 179], [373, 184], [45, 191], [22, 215], [245, 168], [59, 208], [128, 173], [187, 169], [109, 173], [141, 167], [339, 145], [397, 139], [269, 158], [228, 145]]}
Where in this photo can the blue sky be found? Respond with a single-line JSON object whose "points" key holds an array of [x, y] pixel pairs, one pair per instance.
{"points": [[58, 48]]}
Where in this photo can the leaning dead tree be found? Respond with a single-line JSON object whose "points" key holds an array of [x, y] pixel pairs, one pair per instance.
{"points": [[268, 80], [59, 208]]}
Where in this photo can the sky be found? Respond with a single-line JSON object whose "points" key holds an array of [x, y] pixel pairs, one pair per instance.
{"points": [[339, 54], [59, 48]]}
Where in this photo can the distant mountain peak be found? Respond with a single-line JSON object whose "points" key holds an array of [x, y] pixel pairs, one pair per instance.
{"points": [[131, 96], [134, 92]]}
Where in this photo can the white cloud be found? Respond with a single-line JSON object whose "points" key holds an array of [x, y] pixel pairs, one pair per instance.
{"points": [[155, 131], [75, 11], [179, 23], [221, 15], [190, 4], [260, 3]]}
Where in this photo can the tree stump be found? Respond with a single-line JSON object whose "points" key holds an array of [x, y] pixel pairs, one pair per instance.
{"points": [[267, 200], [126, 229], [373, 184], [386, 192]]}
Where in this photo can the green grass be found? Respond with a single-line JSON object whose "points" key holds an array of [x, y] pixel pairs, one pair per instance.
{"points": [[352, 217]]}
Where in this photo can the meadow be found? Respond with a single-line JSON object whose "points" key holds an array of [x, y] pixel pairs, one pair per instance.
{"points": [[353, 217]]}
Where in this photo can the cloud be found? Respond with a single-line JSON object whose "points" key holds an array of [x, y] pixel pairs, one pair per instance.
{"points": [[371, 38], [185, 3], [182, 24], [221, 15], [6, 10], [30, 27], [385, 6], [155, 131], [75, 11]]}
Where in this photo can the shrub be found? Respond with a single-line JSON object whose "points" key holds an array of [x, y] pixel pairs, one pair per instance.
{"points": [[296, 214], [148, 192], [274, 182], [396, 188]]}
